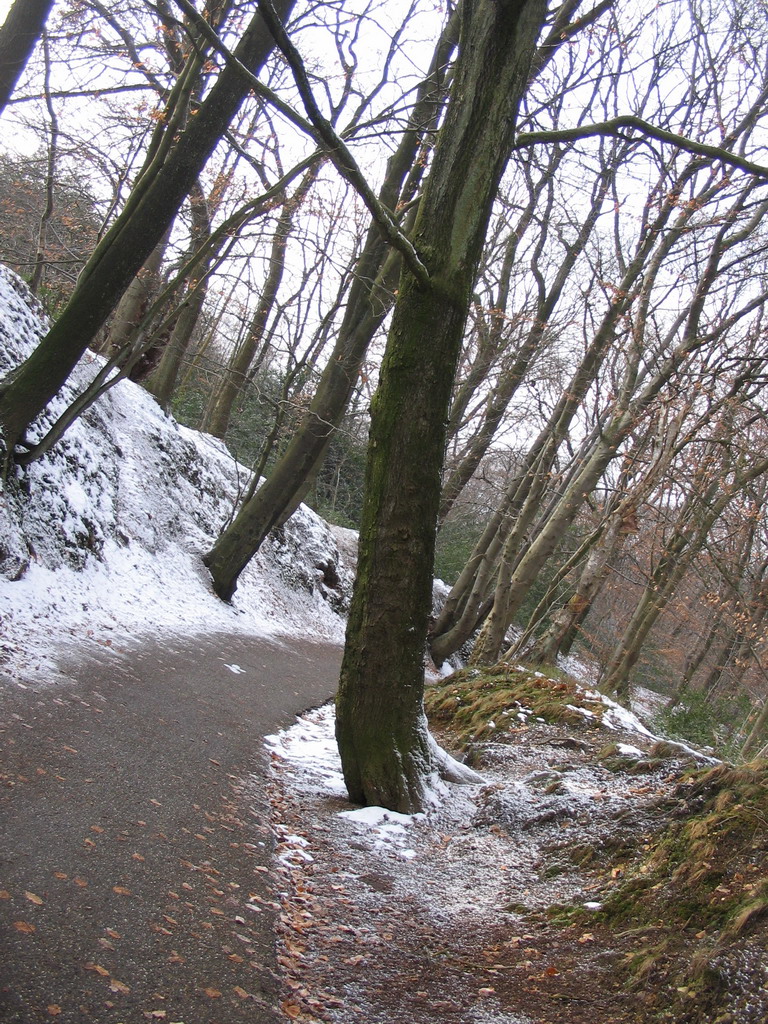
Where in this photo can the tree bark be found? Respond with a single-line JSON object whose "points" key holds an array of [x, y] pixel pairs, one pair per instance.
{"points": [[135, 301], [381, 729], [219, 411], [564, 622], [162, 382], [19, 35]]}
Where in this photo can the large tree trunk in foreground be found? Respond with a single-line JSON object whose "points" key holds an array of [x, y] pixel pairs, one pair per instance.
{"points": [[151, 207], [381, 728]]}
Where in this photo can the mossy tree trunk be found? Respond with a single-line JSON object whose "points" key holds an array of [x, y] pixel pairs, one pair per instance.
{"points": [[381, 729]]}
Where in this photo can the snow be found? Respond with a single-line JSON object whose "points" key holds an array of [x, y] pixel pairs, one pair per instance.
{"points": [[310, 748], [108, 539], [629, 750], [306, 756]]}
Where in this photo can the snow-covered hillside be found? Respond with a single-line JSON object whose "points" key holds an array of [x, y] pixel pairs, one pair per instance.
{"points": [[106, 533]]}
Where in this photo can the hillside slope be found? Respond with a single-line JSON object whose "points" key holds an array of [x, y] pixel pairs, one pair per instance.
{"points": [[106, 532]]}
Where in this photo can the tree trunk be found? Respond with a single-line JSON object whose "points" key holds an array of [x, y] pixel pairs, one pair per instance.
{"points": [[150, 209], [381, 728], [162, 382], [684, 543], [370, 300], [135, 301], [565, 621], [511, 592], [693, 663], [514, 373], [19, 34], [219, 411], [757, 732]]}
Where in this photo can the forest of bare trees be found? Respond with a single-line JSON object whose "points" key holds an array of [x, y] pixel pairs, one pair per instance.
{"points": [[484, 279]]}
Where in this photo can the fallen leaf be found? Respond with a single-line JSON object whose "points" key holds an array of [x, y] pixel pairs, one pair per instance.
{"points": [[551, 971], [106, 943], [60, 875], [587, 937], [4, 894], [81, 882], [241, 992], [112, 933], [486, 991], [236, 958], [137, 856], [215, 910], [71, 750], [176, 958], [212, 993], [156, 803], [96, 828], [33, 898], [91, 966], [121, 890], [24, 926], [118, 986], [291, 1010], [54, 1009]]}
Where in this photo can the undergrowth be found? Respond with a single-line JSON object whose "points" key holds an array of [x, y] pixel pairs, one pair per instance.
{"points": [[704, 722], [698, 892]]}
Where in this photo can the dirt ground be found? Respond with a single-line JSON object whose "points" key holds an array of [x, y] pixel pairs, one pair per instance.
{"points": [[454, 918]]}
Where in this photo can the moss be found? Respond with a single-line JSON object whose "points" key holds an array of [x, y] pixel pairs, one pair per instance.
{"points": [[496, 702], [703, 879]]}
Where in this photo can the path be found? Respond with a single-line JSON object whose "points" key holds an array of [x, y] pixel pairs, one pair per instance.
{"points": [[134, 843]]}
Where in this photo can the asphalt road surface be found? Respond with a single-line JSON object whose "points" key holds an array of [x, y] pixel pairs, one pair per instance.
{"points": [[135, 853]]}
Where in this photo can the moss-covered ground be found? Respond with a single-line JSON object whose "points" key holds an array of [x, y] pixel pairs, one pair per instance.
{"points": [[696, 896], [477, 704]]}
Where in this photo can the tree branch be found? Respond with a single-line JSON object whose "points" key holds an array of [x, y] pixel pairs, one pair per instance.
{"points": [[616, 127], [318, 128]]}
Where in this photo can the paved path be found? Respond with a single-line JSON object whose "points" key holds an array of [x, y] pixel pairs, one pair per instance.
{"points": [[134, 847]]}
